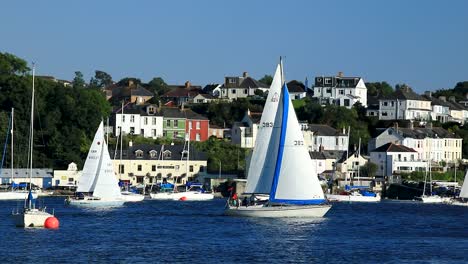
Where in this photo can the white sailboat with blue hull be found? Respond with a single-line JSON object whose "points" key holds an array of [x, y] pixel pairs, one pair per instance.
{"points": [[286, 172], [98, 186]]}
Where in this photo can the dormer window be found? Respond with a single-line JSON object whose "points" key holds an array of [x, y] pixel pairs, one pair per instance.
{"points": [[167, 154], [153, 153], [139, 153]]}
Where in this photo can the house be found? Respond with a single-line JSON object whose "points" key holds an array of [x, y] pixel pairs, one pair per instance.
{"points": [[213, 89], [404, 104], [178, 122], [348, 167], [458, 112], [67, 178], [240, 87], [65, 83], [296, 90], [217, 131], [181, 94], [132, 92], [440, 108], [372, 106], [430, 143], [394, 159], [144, 120], [326, 162], [317, 136], [148, 164], [244, 133], [340, 90], [203, 99], [40, 177]]}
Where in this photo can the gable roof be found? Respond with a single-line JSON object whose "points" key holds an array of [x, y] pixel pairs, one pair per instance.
{"points": [[175, 112], [324, 130], [250, 82], [176, 152], [405, 93], [177, 91], [295, 87], [390, 147]]}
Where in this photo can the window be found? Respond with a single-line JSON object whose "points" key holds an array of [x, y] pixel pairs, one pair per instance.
{"points": [[329, 91], [190, 124], [346, 102], [327, 80], [142, 131], [337, 142], [191, 168], [139, 153], [121, 168], [154, 121], [139, 167], [385, 103], [176, 123], [153, 132], [132, 119], [384, 114], [197, 124], [176, 134], [153, 153], [246, 91], [146, 121], [132, 130], [393, 103], [123, 118], [167, 154], [340, 91], [197, 138], [164, 133], [153, 167], [168, 123], [233, 91]]}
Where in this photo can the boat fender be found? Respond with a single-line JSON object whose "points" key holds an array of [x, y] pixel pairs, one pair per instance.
{"points": [[183, 198], [51, 223]]}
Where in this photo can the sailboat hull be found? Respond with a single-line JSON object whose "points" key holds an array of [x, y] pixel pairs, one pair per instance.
{"points": [[30, 218], [279, 211], [17, 195], [162, 196], [94, 203], [132, 197], [192, 196], [434, 199], [352, 198]]}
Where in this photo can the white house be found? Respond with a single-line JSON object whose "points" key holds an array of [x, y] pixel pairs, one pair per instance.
{"points": [[404, 104], [296, 90], [349, 166], [244, 133], [392, 158], [339, 90], [142, 120], [317, 136], [241, 87]]}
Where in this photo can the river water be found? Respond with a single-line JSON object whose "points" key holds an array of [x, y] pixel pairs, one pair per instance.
{"points": [[197, 232]]}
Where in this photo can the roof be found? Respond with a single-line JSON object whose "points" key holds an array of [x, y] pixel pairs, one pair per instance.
{"points": [[421, 133], [210, 87], [140, 91], [405, 93], [131, 108], [176, 152], [295, 87], [250, 82], [327, 154], [323, 130], [24, 173], [175, 112], [390, 147]]}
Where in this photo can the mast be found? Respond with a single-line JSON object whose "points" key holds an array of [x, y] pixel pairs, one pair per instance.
{"points": [[31, 134], [359, 165], [121, 139], [12, 160]]}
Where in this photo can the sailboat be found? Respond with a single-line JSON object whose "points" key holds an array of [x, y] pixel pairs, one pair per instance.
{"points": [[280, 165], [193, 190], [98, 186], [127, 195], [31, 216], [463, 197], [431, 198]]}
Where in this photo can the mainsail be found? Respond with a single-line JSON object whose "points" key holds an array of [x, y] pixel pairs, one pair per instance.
{"points": [[260, 174], [464, 188], [91, 165]]}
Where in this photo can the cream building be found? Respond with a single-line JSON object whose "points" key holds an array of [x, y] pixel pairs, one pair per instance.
{"points": [[144, 164], [68, 177]]}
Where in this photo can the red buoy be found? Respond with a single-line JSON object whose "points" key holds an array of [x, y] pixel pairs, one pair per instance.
{"points": [[51, 223], [183, 198]]}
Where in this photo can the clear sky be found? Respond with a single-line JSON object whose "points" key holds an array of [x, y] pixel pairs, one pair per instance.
{"points": [[421, 43]]}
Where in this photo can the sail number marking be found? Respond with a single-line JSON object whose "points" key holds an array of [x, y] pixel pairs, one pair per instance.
{"points": [[298, 142], [267, 124]]}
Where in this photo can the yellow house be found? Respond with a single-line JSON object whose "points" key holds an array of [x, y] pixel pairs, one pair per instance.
{"points": [[144, 164]]}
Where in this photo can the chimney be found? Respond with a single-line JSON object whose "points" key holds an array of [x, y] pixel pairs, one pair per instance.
{"points": [[130, 143], [428, 94], [452, 99], [340, 74], [187, 84], [443, 98], [245, 74], [130, 83]]}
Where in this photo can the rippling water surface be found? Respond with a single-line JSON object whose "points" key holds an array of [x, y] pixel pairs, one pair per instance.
{"points": [[197, 232]]}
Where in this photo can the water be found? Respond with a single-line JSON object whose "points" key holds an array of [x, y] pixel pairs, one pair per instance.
{"points": [[197, 232]]}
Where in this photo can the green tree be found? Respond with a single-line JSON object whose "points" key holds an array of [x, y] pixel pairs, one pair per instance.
{"points": [[158, 86], [78, 81], [368, 170], [379, 88], [101, 79], [10, 65], [267, 79]]}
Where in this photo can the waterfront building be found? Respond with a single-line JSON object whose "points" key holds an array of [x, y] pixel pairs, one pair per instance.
{"points": [[340, 90], [394, 159], [178, 121], [67, 178], [42, 177], [323, 136]]}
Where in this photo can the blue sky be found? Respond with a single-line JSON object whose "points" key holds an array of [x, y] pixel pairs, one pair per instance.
{"points": [[421, 43]]}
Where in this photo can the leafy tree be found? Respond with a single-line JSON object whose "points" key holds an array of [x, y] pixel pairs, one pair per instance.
{"points": [[368, 170], [101, 79], [158, 86], [126, 80], [267, 79], [78, 81], [379, 88], [10, 64]]}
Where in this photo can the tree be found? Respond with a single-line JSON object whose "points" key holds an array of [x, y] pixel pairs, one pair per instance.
{"points": [[101, 79], [10, 64], [379, 88], [368, 170], [158, 86], [78, 81], [267, 79]]}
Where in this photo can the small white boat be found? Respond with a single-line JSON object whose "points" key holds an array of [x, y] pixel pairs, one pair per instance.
{"points": [[98, 186], [280, 165], [31, 217], [16, 195], [353, 196], [193, 192], [162, 196], [462, 198], [433, 199], [128, 196]]}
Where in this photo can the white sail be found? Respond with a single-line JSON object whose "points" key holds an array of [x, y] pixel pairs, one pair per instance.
{"points": [[91, 165], [464, 188], [106, 183], [294, 178], [260, 174]]}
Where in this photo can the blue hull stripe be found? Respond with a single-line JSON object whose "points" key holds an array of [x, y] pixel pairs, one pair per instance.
{"points": [[279, 160], [303, 202]]}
